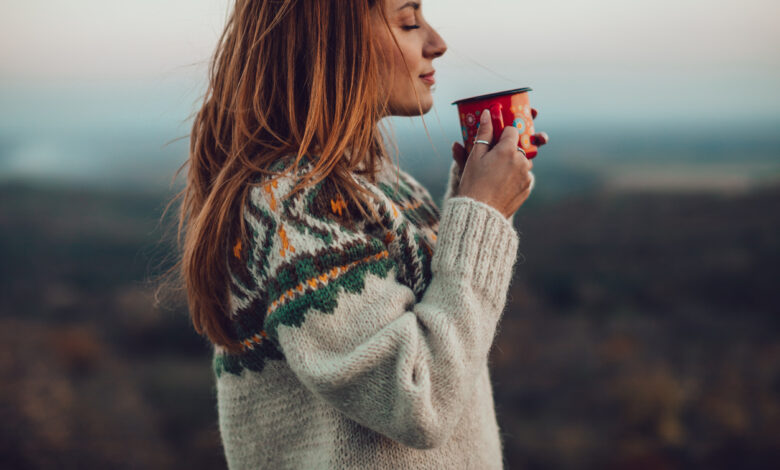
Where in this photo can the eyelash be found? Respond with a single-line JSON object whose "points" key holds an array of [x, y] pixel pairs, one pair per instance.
{"points": [[409, 28]]}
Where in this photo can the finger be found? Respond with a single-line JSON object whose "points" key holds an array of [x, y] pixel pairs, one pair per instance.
{"points": [[509, 137], [540, 139], [484, 132], [534, 112], [528, 186], [459, 155]]}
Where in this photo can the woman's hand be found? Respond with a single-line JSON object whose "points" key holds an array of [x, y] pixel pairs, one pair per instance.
{"points": [[499, 177], [459, 152]]}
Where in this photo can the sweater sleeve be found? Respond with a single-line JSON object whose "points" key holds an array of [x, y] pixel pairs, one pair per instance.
{"points": [[358, 339]]}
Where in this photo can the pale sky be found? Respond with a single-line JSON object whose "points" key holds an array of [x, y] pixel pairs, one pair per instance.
{"points": [[576, 54], [153, 38]]}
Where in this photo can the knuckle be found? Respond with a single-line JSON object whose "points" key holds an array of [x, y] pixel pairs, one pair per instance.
{"points": [[507, 147], [510, 131], [523, 164]]}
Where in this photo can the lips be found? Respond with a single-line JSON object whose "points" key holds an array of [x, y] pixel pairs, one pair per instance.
{"points": [[428, 77]]}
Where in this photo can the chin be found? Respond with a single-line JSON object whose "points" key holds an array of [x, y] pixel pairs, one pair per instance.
{"points": [[426, 106], [412, 109]]}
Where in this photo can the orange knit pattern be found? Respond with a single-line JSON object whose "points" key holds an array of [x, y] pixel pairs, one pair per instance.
{"points": [[322, 279], [285, 243], [338, 205]]}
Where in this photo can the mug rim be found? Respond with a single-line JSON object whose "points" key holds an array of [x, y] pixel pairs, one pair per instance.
{"points": [[492, 95]]}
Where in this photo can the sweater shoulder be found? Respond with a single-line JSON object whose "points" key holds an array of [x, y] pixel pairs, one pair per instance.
{"points": [[293, 242], [298, 244], [411, 196]]}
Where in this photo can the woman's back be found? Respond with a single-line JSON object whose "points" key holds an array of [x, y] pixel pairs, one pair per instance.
{"points": [[365, 344]]}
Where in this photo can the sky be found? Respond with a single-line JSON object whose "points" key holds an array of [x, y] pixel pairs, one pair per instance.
{"points": [[103, 39], [80, 66], [616, 56]]}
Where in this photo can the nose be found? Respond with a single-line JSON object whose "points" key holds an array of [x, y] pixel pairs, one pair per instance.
{"points": [[434, 46]]}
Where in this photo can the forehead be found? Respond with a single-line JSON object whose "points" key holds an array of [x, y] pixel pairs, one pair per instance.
{"points": [[402, 5]]}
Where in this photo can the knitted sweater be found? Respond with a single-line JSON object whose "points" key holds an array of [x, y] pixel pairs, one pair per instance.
{"points": [[365, 344]]}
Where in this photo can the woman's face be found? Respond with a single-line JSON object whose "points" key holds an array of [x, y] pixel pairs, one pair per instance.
{"points": [[419, 44]]}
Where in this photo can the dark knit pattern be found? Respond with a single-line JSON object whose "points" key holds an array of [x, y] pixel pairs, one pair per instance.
{"points": [[263, 298]]}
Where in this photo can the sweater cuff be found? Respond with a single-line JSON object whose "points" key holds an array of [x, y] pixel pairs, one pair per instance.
{"points": [[477, 242], [453, 181]]}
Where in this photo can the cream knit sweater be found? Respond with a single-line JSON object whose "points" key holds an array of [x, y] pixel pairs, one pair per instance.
{"points": [[365, 344]]}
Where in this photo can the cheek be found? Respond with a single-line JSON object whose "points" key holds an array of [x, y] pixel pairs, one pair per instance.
{"points": [[406, 58], [400, 56], [392, 60], [397, 64]]}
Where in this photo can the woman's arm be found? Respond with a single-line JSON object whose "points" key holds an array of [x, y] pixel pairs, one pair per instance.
{"points": [[360, 340]]}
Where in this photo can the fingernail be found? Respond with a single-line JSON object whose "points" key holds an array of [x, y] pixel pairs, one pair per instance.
{"points": [[485, 116]]}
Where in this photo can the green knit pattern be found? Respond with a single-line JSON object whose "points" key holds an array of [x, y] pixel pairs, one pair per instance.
{"points": [[273, 282]]}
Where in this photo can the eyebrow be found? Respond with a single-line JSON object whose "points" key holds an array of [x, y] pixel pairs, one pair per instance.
{"points": [[414, 5]]}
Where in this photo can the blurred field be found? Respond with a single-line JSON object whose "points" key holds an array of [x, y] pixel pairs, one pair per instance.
{"points": [[641, 332]]}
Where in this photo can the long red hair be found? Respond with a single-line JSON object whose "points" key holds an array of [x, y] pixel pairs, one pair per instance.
{"points": [[288, 78]]}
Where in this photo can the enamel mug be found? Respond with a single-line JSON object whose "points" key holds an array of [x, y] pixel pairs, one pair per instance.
{"points": [[509, 107]]}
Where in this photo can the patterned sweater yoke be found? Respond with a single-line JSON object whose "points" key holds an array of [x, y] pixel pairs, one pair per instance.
{"points": [[365, 343]]}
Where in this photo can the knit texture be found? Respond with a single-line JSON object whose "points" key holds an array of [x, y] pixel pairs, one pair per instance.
{"points": [[365, 344]]}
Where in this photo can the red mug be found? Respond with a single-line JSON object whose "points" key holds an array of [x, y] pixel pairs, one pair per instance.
{"points": [[511, 106]]}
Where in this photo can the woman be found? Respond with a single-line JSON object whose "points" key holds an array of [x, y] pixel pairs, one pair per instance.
{"points": [[351, 321]]}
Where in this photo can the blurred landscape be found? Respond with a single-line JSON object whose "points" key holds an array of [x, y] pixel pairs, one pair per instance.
{"points": [[641, 329]]}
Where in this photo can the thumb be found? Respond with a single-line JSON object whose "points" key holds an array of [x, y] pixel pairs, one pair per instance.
{"points": [[484, 133], [459, 155]]}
